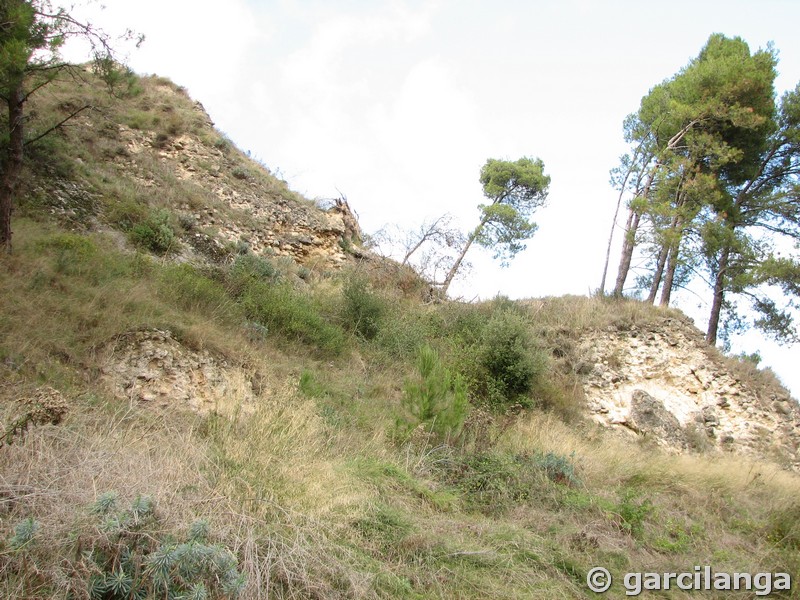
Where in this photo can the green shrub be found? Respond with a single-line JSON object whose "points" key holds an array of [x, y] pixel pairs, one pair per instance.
{"points": [[437, 399], [281, 309], [632, 511], [492, 481], [404, 329], [507, 356], [558, 468], [362, 311], [74, 252], [248, 267], [155, 233]]}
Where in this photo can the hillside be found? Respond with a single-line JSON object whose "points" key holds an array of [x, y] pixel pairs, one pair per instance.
{"points": [[211, 389]]}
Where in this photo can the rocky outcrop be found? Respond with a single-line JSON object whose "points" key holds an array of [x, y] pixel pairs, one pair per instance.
{"points": [[663, 380], [649, 416], [245, 206], [152, 368]]}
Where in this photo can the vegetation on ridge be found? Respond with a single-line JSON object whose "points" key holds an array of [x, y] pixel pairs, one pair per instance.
{"points": [[392, 449]]}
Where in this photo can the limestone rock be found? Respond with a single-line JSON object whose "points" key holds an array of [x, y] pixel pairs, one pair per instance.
{"points": [[648, 415], [153, 368], [641, 373]]}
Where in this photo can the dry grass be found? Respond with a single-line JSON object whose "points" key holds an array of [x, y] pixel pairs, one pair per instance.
{"points": [[579, 313], [283, 455], [296, 468], [606, 459]]}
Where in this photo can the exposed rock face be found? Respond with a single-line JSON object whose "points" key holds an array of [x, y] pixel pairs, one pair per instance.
{"points": [[151, 367], [648, 416], [665, 380], [253, 212]]}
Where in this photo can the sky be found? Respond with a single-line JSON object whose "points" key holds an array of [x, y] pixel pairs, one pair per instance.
{"points": [[397, 104]]}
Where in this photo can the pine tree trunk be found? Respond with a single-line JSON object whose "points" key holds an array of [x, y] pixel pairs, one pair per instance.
{"points": [[719, 297], [662, 260], [602, 289], [13, 164], [627, 251], [669, 278], [629, 243], [454, 269], [659, 272]]}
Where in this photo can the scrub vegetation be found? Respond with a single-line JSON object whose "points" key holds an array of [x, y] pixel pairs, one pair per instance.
{"points": [[395, 448]]}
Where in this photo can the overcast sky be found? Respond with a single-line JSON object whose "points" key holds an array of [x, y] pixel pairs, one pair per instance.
{"points": [[397, 105]]}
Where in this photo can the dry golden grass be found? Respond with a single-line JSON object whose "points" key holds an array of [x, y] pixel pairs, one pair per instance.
{"points": [[607, 459], [285, 456], [305, 483]]}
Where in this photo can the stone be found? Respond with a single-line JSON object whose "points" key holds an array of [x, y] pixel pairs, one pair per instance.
{"points": [[648, 415], [710, 416]]}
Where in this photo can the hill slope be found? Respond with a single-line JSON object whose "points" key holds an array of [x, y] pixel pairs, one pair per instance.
{"points": [[206, 381]]}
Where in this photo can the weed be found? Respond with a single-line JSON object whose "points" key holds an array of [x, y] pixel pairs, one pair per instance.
{"points": [[560, 469], [129, 558], [310, 386], [632, 512], [784, 528]]}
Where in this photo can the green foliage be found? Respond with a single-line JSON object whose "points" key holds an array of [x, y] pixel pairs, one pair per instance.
{"points": [[677, 538], [155, 233], [516, 189], [363, 310], [404, 329], [436, 399], [310, 386], [384, 524], [191, 289], [784, 528], [508, 362], [280, 308], [24, 533], [753, 358], [248, 266], [559, 468], [632, 512], [494, 481], [131, 558], [74, 253]]}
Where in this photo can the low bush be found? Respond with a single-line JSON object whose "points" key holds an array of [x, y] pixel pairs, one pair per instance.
{"points": [[155, 233], [129, 557], [187, 287], [125, 554], [296, 316], [502, 363], [249, 267], [362, 310]]}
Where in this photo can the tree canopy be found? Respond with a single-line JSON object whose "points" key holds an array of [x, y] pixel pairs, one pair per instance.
{"points": [[31, 35], [712, 183], [515, 189]]}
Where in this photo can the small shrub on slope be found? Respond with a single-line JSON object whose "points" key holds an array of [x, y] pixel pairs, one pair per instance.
{"points": [[436, 399]]}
